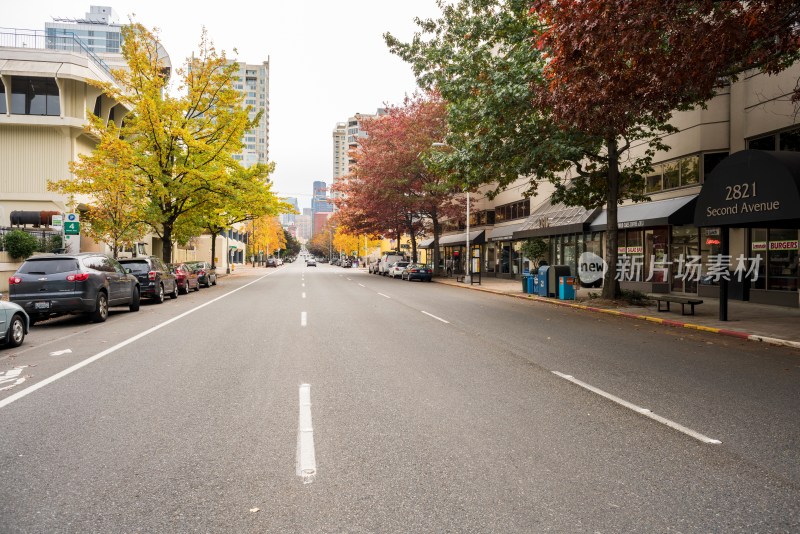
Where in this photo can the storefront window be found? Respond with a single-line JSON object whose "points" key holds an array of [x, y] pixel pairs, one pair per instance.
{"points": [[758, 249], [505, 258], [656, 251], [782, 260], [790, 140], [516, 258], [634, 248], [710, 245], [762, 143]]}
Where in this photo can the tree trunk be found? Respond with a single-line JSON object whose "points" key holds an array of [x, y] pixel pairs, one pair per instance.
{"points": [[166, 238], [437, 229], [611, 289]]}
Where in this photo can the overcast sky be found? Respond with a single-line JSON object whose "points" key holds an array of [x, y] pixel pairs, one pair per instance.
{"points": [[327, 61]]}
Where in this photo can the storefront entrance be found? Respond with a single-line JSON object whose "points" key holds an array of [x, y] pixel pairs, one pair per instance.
{"points": [[685, 284]]}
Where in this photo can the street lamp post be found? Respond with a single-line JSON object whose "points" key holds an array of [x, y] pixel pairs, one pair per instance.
{"points": [[468, 274]]}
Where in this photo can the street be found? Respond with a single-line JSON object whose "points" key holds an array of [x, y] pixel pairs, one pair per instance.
{"points": [[330, 400]]}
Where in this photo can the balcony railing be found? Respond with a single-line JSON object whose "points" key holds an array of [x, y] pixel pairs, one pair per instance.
{"points": [[39, 40]]}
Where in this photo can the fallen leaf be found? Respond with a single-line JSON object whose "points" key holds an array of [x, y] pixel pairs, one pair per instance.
{"points": [[254, 510]]}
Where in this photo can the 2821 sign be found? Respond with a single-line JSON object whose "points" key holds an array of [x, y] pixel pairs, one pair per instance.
{"points": [[740, 191]]}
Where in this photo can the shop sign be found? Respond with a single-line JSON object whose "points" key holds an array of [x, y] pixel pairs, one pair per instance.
{"points": [[591, 267], [783, 245], [746, 188], [759, 245], [622, 250], [635, 250], [630, 224]]}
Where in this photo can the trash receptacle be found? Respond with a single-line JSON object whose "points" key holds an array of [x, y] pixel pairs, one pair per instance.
{"points": [[531, 289], [566, 288], [543, 280], [525, 283], [553, 274]]}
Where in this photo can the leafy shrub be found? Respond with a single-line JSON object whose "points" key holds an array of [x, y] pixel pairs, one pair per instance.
{"points": [[637, 298], [20, 244]]}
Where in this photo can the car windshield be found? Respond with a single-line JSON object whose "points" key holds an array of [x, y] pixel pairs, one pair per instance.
{"points": [[402, 264], [49, 266], [136, 266]]}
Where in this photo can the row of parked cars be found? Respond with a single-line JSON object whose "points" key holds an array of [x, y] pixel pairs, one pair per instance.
{"points": [[398, 267], [89, 283]]}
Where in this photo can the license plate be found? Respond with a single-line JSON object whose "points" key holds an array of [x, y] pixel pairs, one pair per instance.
{"points": [[41, 305]]}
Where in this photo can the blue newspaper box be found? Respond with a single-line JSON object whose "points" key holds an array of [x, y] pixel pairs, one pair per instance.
{"points": [[531, 289], [566, 288], [543, 277]]}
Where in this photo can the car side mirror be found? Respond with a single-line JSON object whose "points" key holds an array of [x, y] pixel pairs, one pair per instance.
{"points": [[128, 270]]}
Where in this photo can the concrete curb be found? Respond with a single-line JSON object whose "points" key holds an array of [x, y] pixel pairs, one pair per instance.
{"points": [[657, 320]]}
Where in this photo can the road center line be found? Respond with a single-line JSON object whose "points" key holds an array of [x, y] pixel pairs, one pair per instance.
{"points": [[304, 294], [303, 285], [362, 285], [437, 318], [303, 318], [384, 296], [640, 410], [306, 461], [49, 380]]}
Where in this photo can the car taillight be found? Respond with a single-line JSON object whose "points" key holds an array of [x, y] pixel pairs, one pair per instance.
{"points": [[14, 280], [80, 277], [414, 270], [151, 275], [201, 272]]}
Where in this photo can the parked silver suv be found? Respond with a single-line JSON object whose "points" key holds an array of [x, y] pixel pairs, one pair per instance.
{"points": [[49, 285]]}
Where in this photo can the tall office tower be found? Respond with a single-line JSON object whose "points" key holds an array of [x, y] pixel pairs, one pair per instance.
{"points": [[253, 82], [99, 31], [356, 132], [288, 219], [320, 203], [340, 166]]}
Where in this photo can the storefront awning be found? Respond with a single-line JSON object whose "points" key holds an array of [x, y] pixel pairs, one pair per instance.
{"points": [[673, 211], [504, 233], [555, 219], [477, 237], [427, 243], [752, 188]]}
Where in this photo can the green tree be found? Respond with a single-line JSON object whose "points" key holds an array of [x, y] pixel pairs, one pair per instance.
{"points": [[115, 206], [182, 145], [20, 244]]}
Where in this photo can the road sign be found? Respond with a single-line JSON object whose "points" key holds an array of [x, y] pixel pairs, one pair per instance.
{"points": [[57, 222], [72, 228]]}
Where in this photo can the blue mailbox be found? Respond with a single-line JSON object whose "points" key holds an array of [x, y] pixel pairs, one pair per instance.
{"points": [[543, 279]]}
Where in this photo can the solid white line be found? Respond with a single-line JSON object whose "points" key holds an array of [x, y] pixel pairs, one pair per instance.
{"points": [[303, 318], [306, 461], [350, 279], [639, 409], [49, 380], [437, 318], [386, 296]]}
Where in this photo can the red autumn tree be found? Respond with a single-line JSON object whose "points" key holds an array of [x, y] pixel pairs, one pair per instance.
{"points": [[394, 187], [620, 67]]}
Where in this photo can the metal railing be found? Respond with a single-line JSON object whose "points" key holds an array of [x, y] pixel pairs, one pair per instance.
{"points": [[39, 40]]}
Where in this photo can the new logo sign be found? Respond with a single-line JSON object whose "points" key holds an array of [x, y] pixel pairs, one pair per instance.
{"points": [[591, 267]]}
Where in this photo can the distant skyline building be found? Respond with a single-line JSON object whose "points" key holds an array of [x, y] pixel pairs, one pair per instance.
{"points": [[253, 83], [345, 137], [288, 219]]}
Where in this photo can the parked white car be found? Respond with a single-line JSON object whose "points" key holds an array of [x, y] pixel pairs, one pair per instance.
{"points": [[398, 268], [386, 262]]}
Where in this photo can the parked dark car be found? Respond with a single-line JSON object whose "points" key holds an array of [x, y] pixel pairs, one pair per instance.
{"points": [[271, 262], [155, 278], [49, 285], [417, 272], [206, 274], [186, 277]]}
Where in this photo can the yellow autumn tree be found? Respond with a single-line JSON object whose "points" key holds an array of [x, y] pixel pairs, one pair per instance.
{"points": [[266, 235]]}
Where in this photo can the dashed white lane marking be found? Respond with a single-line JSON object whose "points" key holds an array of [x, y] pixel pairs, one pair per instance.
{"points": [[303, 285], [306, 463], [304, 294], [384, 296], [49, 380], [437, 318], [303, 318], [362, 285], [61, 352], [639, 409]]}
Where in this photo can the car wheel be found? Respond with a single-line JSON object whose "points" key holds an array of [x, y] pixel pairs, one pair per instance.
{"points": [[214, 282], [185, 289], [197, 287], [174, 293], [135, 300], [16, 332], [100, 313], [160, 294]]}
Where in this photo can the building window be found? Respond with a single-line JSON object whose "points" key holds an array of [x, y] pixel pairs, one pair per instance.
{"points": [[34, 96], [674, 174], [790, 140], [762, 143]]}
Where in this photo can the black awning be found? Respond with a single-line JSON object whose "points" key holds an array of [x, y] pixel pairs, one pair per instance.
{"points": [[752, 188], [427, 243], [672, 211], [555, 219], [477, 237]]}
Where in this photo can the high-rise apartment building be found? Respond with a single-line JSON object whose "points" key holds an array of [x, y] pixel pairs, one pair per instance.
{"points": [[345, 138], [253, 82], [289, 219]]}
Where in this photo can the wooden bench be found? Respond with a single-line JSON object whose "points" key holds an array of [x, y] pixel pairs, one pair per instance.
{"points": [[460, 278], [683, 301]]}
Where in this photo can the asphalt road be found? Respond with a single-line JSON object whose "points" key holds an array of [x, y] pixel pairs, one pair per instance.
{"points": [[432, 409]]}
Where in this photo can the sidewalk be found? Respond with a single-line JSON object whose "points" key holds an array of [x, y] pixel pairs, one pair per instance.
{"points": [[757, 322]]}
